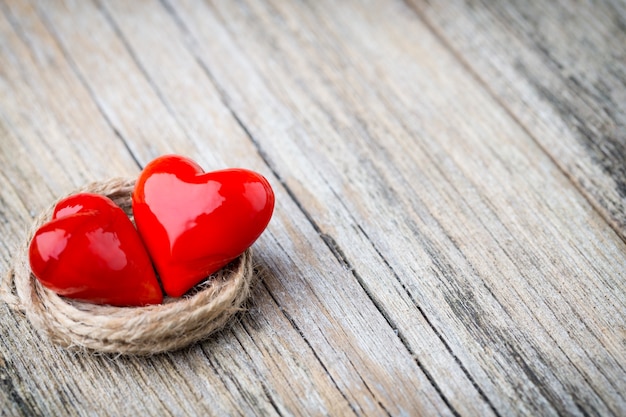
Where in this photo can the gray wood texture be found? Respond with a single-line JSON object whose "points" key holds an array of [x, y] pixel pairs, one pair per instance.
{"points": [[449, 230], [558, 69]]}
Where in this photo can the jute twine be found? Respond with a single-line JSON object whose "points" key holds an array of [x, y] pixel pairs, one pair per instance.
{"points": [[126, 330]]}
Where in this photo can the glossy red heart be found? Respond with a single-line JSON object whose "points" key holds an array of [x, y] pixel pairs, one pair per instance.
{"points": [[90, 251], [194, 223]]}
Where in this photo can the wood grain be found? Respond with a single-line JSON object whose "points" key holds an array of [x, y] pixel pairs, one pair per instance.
{"points": [[560, 70], [428, 253]]}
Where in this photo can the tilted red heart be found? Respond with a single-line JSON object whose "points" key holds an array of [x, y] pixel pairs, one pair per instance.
{"points": [[90, 251], [194, 223]]}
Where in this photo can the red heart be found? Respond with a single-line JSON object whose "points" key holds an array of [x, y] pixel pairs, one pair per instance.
{"points": [[90, 251], [194, 223]]}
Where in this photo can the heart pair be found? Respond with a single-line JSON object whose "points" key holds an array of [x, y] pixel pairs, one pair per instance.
{"points": [[189, 225]]}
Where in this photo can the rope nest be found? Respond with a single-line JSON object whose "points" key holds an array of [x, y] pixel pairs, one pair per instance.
{"points": [[176, 323]]}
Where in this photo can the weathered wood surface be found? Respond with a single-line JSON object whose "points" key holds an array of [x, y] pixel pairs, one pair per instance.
{"points": [[448, 236], [558, 68]]}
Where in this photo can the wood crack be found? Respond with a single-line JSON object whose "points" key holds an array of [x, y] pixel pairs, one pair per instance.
{"points": [[295, 326], [264, 387], [613, 222], [434, 329], [86, 86]]}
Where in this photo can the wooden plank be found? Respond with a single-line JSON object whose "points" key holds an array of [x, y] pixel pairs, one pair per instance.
{"points": [[560, 70], [426, 256], [402, 154], [179, 64], [324, 364], [328, 339], [42, 149]]}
